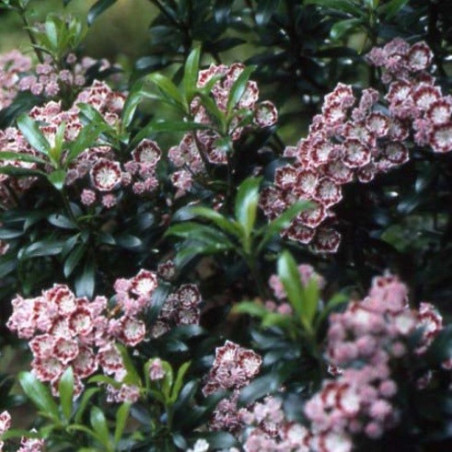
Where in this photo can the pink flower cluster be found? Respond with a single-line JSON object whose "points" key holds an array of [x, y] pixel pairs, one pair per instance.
{"points": [[364, 343], [12, 65], [98, 168], [233, 368], [346, 144], [270, 431], [246, 114], [66, 331], [412, 96]]}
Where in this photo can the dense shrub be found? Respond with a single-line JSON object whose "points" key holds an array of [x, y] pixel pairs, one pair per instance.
{"points": [[199, 253]]}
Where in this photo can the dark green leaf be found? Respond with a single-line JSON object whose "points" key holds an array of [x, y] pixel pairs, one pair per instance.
{"points": [[128, 241], [390, 9], [73, 259], [42, 248], [121, 418], [264, 11], [85, 281], [345, 6], [341, 28], [191, 73], [98, 8], [246, 202], [61, 221], [260, 387], [168, 88]]}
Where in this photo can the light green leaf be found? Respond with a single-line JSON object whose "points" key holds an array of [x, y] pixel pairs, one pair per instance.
{"points": [[33, 134], [66, 391]]}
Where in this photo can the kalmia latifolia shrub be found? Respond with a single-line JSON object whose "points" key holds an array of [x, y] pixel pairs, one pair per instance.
{"points": [[204, 254]]}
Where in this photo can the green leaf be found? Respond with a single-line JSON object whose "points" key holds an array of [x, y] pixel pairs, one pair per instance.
{"points": [[128, 241], [8, 234], [133, 99], [42, 248], [18, 156], [132, 376], [201, 233], [260, 387], [39, 395], [168, 88], [346, 6], [85, 400], [225, 224], [341, 28], [99, 424], [73, 259], [392, 8], [265, 10], [85, 139], [52, 33], [61, 221], [156, 126], [57, 178], [282, 222], [98, 8], [66, 391], [238, 88], [191, 73], [16, 171], [85, 282], [311, 298], [179, 381], [250, 308], [33, 134], [121, 418], [290, 277], [245, 208]]}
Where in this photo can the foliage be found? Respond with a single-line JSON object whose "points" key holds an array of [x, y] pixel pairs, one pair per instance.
{"points": [[159, 230]]}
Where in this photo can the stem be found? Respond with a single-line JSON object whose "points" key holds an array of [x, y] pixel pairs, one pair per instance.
{"points": [[27, 27]]}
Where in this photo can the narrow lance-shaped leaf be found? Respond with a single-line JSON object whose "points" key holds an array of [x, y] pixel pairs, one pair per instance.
{"points": [[191, 73], [290, 277], [66, 392], [246, 206], [238, 88], [33, 134], [121, 418], [168, 88]]}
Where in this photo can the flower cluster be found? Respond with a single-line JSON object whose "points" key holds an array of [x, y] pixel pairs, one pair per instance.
{"points": [[346, 144], [364, 343], [412, 96], [233, 368], [247, 113], [98, 168], [268, 430], [66, 331], [12, 65]]}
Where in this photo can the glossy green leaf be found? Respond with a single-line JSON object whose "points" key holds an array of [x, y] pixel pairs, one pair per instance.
{"points": [[42, 248], [85, 281], [121, 419], [225, 224], [66, 392], [57, 178], [345, 6], [178, 382], [246, 202], [199, 232], [98, 8], [390, 9], [167, 87], [341, 28], [283, 221], [17, 156], [99, 424], [73, 260], [238, 88], [250, 308], [265, 9], [39, 394], [84, 402], [33, 134], [290, 277], [86, 138], [191, 73]]}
